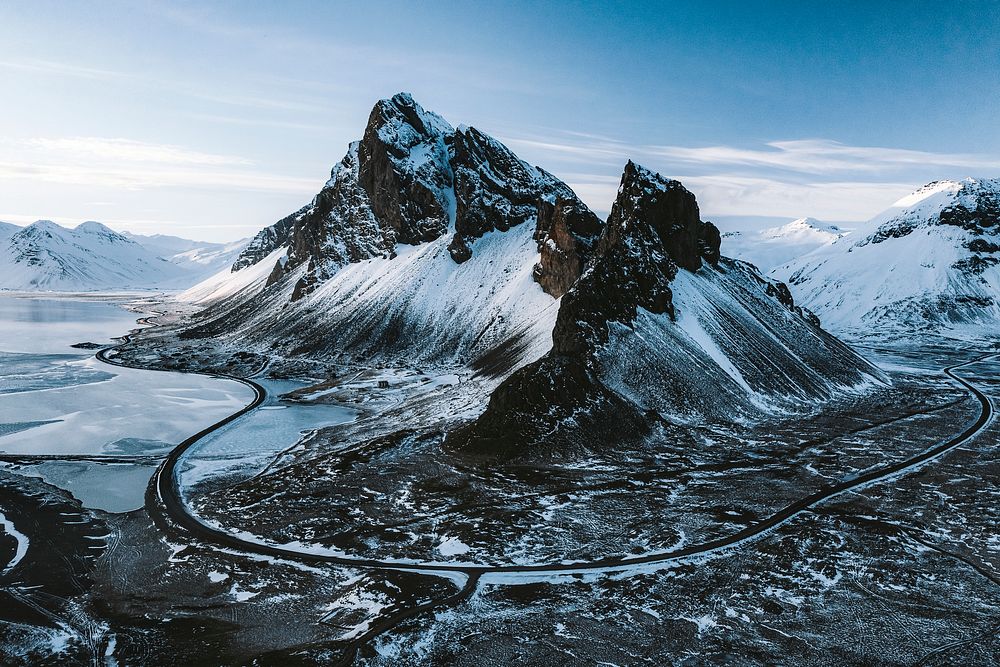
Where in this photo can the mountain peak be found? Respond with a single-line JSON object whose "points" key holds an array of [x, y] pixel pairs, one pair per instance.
{"points": [[660, 214], [401, 121], [931, 259], [412, 179], [93, 228]]}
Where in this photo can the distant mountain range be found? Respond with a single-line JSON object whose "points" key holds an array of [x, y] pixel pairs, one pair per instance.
{"points": [[931, 262], [436, 245], [47, 256], [769, 248]]}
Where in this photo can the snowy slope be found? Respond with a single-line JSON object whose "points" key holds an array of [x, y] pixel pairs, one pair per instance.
{"points": [[661, 326], [7, 230], [930, 262], [774, 246], [45, 256], [419, 306], [422, 246]]}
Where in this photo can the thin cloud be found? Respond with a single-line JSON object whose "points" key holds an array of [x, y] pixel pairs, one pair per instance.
{"points": [[117, 149], [739, 195], [804, 156], [820, 156], [62, 69], [130, 178]]}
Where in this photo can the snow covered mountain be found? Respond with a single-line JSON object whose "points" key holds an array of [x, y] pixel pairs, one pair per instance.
{"points": [[45, 256], [930, 262], [201, 259], [661, 326], [7, 230], [774, 246], [427, 243], [433, 245]]}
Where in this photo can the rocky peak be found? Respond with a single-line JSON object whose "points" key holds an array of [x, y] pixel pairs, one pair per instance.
{"points": [[404, 166], [413, 179], [656, 215], [653, 230]]}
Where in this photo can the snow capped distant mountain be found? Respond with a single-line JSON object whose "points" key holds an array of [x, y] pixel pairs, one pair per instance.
{"points": [[774, 246], [45, 256], [930, 262], [91, 256], [200, 258]]}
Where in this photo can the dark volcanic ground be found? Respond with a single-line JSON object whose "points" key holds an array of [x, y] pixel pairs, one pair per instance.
{"points": [[905, 571]]}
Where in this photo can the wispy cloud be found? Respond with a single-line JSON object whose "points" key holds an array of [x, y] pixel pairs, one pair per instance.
{"points": [[738, 195], [821, 156], [805, 156], [818, 177], [283, 102], [129, 178], [40, 66], [117, 149], [135, 165]]}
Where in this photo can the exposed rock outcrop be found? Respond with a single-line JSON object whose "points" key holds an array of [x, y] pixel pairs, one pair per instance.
{"points": [[567, 235], [626, 352], [410, 180]]}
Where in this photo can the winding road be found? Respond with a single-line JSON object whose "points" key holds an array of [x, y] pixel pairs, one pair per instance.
{"points": [[163, 499]]}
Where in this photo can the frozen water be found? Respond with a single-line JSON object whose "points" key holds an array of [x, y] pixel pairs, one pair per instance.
{"points": [[76, 405], [248, 445]]}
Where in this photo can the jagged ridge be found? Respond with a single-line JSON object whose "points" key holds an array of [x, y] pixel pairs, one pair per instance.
{"points": [[661, 326]]}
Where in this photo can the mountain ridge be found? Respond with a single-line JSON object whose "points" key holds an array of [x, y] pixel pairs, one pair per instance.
{"points": [[927, 263]]}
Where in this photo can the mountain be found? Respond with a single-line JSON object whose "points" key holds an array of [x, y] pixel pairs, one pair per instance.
{"points": [[661, 326], [427, 243], [201, 259], [7, 230], [437, 246], [930, 262], [774, 246], [44, 255]]}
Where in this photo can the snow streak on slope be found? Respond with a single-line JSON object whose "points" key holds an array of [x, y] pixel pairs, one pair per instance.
{"points": [[46, 256], [740, 349], [226, 282], [418, 306], [930, 262], [774, 246]]}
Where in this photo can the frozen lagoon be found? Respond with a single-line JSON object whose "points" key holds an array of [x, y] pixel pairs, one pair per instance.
{"points": [[56, 400]]}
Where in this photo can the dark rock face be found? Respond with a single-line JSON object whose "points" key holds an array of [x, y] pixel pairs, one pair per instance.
{"points": [[567, 234], [267, 241], [404, 182], [670, 213], [494, 190], [406, 194], [654, 229]]}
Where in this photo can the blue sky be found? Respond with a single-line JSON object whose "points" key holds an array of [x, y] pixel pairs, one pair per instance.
{"points": [[213, 120]]}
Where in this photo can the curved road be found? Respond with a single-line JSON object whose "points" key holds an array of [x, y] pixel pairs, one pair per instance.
{"points": [[163, 497]]}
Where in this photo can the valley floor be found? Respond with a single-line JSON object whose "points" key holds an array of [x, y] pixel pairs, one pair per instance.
{"points": [[904, 570]]}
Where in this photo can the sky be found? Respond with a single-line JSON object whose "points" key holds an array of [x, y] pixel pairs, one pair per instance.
{"points": [[213, 120]]}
